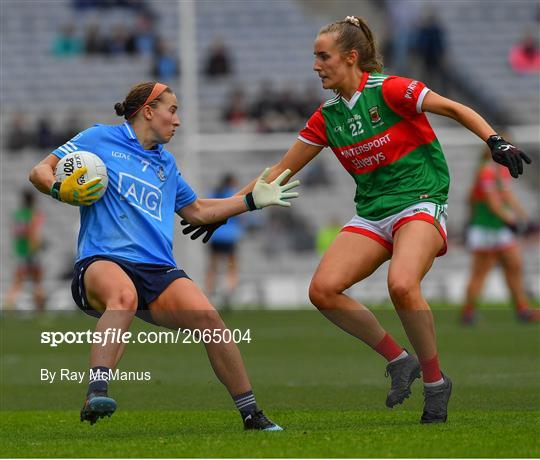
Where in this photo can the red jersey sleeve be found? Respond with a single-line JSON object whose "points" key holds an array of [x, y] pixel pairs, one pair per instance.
{"points": [[404, 96], [314, 132]]}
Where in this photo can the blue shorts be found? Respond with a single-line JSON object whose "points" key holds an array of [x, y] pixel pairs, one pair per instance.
{"points": [[222, 247], [150, 281]]}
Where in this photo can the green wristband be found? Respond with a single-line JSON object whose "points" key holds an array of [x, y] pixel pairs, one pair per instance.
{"points": [[55, 191]]}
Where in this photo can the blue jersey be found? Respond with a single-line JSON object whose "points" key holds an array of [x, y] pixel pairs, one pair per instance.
{"points": [[134, 219], [231, 232]]}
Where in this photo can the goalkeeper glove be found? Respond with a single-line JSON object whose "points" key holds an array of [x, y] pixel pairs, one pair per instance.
{"points": [[507, 155], [71, 192], [199, 230], [271, 193]]}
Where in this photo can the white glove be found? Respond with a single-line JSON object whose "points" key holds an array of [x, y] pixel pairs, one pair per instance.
{"points": [[271, 193]]}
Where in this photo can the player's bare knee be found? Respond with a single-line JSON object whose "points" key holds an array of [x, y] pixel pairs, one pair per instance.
{"points": [[403, 290], [208, 319], [322, 293], [124, 300]]}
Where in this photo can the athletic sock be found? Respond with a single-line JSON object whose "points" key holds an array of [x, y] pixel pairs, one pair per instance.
{"points": [[245, 403], [402, 355], [99, 379], [388, 348], [431, 373]]}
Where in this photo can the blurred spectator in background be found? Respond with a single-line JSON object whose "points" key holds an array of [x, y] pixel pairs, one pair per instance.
{"points": [[143, 36], [40, 135], [496, 217], [309, 100], [288, 108], [66, 43], [524, 56], [277, 111], [402, 17], [165, 65], [116, 44], [326, 234], [27, 244], [18, 136], [264, 103], [236, 109], [431, 49], [139, 5], [223, 246], [70, 127], [287, 231], [44, 137], [316, 175], [94, 42], [218, 63]]}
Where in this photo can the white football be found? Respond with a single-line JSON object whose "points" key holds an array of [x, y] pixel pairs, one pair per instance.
{"points": [[76, 160]]}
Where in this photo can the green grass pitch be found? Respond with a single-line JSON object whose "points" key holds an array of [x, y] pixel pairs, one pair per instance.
{"points": [[326, 388]]}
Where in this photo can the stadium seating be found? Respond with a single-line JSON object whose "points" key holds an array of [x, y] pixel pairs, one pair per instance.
{"points": [[260, 38]]}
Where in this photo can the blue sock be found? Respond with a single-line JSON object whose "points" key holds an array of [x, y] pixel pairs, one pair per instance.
{"points": [[245, 403], [99, 379]]}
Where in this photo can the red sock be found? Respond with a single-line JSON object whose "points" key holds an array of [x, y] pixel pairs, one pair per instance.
{"points": [[388, 348], [430, 369]]}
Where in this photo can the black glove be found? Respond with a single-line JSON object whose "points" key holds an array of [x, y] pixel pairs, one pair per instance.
{"points": [[507, 155], [199, 230], [524, 227]]}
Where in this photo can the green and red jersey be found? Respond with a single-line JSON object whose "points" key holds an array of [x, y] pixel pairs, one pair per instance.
{"points": [[490, 178], [384, 140], [26, 228]]}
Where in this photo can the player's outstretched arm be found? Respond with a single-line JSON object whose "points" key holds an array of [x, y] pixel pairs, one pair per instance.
{"points": [[214, 210], [502, 152], [294, 160]]}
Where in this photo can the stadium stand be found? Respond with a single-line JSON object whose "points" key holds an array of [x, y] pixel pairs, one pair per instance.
{"points": [[259, 38], [480, 39]]}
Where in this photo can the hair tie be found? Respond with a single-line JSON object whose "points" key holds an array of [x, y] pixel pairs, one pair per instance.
{"points": [[352, 20], [156, 91]]}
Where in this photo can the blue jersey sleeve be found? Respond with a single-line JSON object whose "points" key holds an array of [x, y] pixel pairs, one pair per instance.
{"points": [[184, 193], [86, 140]]}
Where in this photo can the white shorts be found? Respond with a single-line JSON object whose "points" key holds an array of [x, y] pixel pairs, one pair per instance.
{"points": [[489, 239], [383, 230]]}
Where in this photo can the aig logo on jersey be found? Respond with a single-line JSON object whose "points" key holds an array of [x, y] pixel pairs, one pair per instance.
{"points": [[141, 194]]}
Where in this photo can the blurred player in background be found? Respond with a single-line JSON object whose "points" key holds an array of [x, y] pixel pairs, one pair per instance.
{"points": [[377, 129], [223, 247], [27, 222], [327, 234], [496, 218], [125, 265]]}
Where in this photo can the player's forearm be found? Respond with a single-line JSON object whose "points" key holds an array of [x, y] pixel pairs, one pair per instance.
{"points": [[514, 204], [274, 172], [213, 210], [42, 177], [496, 206], [472, 121], [435, 103]]}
